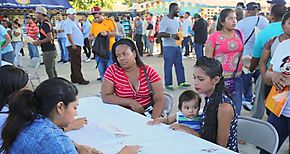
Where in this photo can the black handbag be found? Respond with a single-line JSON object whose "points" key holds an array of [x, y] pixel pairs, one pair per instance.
{"points": [[101, 46]]}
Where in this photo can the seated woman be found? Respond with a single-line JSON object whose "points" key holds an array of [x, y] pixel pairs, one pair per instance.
{"points": [[219, 119], [15, 79], [125, 81], [34, 120]]}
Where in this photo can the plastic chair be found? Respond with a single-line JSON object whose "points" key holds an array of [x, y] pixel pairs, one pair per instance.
{"points": [[259, 133], [32, 71], [168, 103]]}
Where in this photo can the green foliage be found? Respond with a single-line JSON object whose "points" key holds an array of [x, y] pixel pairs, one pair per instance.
{"points": [[88, 4]]}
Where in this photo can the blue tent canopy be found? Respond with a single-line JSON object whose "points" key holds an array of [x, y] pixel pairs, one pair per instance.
{"points": [[31, 4]]}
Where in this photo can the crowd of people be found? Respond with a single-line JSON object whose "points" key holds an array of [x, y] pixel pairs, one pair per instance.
{"points": [[240, 49]]}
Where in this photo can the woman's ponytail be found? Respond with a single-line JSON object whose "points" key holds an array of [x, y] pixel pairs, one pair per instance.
{"points": [[22, 111]]}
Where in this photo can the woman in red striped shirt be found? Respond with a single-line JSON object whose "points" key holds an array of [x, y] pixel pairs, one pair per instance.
{"points": [[125, 81]]}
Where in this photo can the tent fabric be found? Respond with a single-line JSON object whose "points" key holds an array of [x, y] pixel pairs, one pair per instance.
{"points": [[31, 4]]}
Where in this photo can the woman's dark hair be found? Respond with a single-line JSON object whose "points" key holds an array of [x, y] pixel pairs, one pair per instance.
{"points": [[131, 45], [285, 17], [222, 18], [211, 68], [11, 79], [188, 95], [25, 105], [16, 23]]}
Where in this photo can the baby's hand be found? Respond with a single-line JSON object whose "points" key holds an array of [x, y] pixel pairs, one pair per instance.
{"points": [[154, 122]]}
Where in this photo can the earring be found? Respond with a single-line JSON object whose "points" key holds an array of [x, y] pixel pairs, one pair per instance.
{"points": [[58, 117]]}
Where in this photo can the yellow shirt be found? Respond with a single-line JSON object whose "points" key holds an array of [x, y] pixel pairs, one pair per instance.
{"points": [[106, 25]]}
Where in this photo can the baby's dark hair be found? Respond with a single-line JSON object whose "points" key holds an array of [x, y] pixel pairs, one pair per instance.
{"points": [[188, 95]]}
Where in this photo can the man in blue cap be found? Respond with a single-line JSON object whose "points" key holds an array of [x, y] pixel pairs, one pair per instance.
{"points": [[279, 2]]}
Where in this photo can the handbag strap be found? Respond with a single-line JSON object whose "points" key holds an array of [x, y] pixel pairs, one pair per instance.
{"points": [[239, 59], [252, 31], [149, 83]]}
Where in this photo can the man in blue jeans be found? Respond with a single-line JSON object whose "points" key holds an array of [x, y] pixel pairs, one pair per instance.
{"points": [[61, 38], [200, 35], [172, 53]]}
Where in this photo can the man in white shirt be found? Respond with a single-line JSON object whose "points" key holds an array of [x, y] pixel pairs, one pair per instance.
{"points": [[186, 26], [249, 26]]}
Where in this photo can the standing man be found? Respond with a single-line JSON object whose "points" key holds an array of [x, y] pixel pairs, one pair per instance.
{"points": [[248, 26], [172, 54], [61, 38], [138, 35], [200, 35], [86, 32], [46, 42], [32, 31], [186, 25], [105, 27], [75, 41]]}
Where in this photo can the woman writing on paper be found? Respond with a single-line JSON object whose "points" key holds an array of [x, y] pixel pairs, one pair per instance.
{"points": [[125, 82]]}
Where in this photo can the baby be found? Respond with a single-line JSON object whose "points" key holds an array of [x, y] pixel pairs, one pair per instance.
{"points": [[189, 105]]}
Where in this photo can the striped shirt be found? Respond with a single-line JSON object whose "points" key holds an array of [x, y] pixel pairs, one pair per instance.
{"points": [[124, 89], [193, 123], [32, 30]]}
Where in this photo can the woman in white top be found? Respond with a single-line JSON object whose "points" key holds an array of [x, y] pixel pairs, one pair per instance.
{"points": [[17, 43]]}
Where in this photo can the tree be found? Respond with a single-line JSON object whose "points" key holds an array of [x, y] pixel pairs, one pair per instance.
{"points": [[88, 4]]}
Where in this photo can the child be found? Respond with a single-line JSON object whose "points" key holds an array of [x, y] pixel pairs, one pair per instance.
{"points": [[189, 105]]}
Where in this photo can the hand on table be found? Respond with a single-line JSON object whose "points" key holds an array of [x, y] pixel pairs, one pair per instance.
{"points": [[137, 107], [132, 149], [154, 121], [181, 128], [83, 149]]}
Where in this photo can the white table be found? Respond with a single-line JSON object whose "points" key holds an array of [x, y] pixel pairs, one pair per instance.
{"points": [[158, 139]]}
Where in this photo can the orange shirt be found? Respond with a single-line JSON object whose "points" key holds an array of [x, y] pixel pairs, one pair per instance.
{"points": [[107, 25]]}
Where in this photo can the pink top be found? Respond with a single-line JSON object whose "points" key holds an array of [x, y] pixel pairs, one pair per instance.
{"points": [[227, 51], [123, 87]]}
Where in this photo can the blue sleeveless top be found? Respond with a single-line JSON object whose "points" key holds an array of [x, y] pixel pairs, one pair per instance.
{"points": [[232, 140]]}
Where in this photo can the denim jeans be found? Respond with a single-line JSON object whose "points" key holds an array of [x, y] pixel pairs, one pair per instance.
{"points": [[8, 57], [258, 110], [17, 47], [247, 86], [150, 46], [63, 49], [103, 64], [237, 96], [185, 43], [282, 126], [33, 50], [198, 48], [173, 56]]}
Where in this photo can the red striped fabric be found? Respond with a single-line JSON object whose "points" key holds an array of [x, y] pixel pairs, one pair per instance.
{"points": [[123, 87], [32, 30]]}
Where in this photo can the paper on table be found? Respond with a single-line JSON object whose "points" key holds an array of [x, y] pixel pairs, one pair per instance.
{"points": [[102, 138]]}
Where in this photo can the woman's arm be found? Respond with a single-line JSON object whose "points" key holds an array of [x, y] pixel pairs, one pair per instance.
{"points": [[15, 33], [158, 99], [209, 50], [182, 128], [224, 117], [108, 96], [263, 66]]}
